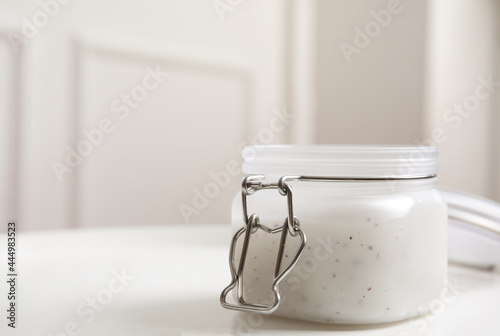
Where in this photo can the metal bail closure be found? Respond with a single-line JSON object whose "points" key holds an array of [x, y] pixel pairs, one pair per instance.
{"points": [[290, 226]]}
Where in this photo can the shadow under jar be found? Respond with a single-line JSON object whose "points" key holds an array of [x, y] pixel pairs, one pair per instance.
{"points": [[366, 242]]}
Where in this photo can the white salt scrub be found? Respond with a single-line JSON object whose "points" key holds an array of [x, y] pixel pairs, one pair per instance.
{"points": [[376, 250]]}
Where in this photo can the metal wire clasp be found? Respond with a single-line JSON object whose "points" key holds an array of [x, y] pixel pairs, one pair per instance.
{"points": [[291, 225]]}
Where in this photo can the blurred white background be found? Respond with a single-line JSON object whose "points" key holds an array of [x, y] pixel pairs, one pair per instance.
{"points": [[158, 97]]}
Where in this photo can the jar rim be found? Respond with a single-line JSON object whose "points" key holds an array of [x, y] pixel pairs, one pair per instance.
{"points": [[341, 160]]}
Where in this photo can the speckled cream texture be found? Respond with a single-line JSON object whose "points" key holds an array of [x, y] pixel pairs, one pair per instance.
{"points": [[374, 253]]}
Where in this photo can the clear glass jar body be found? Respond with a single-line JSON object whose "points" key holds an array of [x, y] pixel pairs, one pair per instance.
{"points": [[376, 251]]}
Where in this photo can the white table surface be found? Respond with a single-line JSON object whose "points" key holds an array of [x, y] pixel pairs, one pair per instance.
{"points": [[178, 274]]}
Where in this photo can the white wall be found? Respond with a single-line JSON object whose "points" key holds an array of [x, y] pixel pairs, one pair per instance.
{"points": [[227, 78], [10, 101], [398, 88], [463, 47], [374, 95]]}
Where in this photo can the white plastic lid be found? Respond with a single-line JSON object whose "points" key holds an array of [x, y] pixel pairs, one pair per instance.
{"points": [[474, 229], [341, 160]]}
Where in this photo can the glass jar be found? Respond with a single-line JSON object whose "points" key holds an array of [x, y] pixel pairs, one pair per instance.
{"points": [[361, 239]]}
